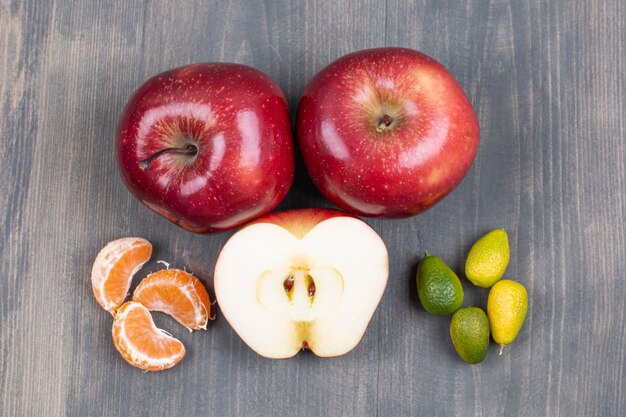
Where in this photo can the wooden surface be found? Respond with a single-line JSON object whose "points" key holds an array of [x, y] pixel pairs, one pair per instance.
{"points": [[547, 81]]}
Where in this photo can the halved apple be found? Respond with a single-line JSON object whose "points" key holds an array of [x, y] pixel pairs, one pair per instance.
{"points": [[301, 279]]}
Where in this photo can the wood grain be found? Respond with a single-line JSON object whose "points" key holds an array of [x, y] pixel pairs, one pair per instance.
{"points": [[547, 81]]}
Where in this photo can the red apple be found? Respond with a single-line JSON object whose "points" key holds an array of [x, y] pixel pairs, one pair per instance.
{"points": [[208, 146], [386, 132], [301, 279]]}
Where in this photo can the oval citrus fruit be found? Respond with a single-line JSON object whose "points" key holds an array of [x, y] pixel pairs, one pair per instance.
{"points": [[469, 330], [488, 258], [438, 287], [506, 308]]}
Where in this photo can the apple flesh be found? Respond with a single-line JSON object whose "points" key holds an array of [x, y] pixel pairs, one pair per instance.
{"points": [[301, 279], [386, 132], [208, 146]]}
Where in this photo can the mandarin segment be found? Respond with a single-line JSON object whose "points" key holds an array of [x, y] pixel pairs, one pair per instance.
{"points": [[113, 270], [141, 343], [177, 293]]}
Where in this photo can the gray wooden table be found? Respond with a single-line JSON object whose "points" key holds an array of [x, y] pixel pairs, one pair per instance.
{"points": [[548, 82]]}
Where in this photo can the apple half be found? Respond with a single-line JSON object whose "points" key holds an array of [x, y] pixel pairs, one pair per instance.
{"points": [[301, 279]]}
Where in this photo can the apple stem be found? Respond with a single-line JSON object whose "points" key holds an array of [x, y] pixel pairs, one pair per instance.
{"points": [[426, 255], [384, 123], [190, 150]]}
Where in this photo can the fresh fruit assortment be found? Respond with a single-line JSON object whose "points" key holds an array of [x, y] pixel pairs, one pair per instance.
{"points": [[440, 293], [384, 132], [171, 291]]}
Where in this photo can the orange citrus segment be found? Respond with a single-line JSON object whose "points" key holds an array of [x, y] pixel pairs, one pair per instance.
{"points": [[114, 268], [177, 293], [141, 343]]}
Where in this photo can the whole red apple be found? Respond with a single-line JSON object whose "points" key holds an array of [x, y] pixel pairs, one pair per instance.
{"points": [[208, 146], [386, 132]]}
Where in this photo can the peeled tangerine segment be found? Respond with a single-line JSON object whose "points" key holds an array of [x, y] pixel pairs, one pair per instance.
{"points": [[344, 259], [141, 343], [114, 268], [177, 293]]}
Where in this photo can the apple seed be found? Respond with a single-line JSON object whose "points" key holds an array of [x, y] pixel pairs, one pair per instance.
{"points": [[288, 283]]}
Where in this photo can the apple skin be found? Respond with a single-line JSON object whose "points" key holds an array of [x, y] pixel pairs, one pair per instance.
{"points": [[299, 221], [386, 132], [235, 117]]}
